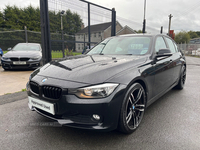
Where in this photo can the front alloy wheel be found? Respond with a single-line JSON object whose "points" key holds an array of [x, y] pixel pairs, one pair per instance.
{"points": [[132, 109]]}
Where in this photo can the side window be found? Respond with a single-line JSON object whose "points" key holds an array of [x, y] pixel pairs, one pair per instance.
{"points": [[171, 45], [160, 44], [176, 47]]}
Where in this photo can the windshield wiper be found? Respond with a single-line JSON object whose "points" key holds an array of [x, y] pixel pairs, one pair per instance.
{"points": [[91, 58], [101, 53]]}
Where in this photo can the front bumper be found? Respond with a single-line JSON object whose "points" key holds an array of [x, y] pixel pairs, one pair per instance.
{"points": [[78, 113], [28, 65]]}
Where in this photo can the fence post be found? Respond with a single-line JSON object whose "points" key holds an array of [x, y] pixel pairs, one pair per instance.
{"points": [[45, 32], [185, 47], [161, 30], [113, 27], [84, 40], [89, 39], [26, 36], [63, 48], [62, 36]]}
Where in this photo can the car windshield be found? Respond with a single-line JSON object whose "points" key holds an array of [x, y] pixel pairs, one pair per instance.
{"points": [[122, 46], [26, 47]]}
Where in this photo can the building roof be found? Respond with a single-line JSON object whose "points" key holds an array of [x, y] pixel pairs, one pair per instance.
{"points": [[96, 27], [126, 27]]}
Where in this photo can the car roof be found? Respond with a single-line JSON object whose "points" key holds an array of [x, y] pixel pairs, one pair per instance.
{"points": [[140, 34], [29, 43]]}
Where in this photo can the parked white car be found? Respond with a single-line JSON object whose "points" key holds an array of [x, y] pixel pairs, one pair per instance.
{"points": [[196, 52]]}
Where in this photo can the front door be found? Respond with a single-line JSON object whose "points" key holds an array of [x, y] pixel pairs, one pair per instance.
{"points": [[163, 69]]}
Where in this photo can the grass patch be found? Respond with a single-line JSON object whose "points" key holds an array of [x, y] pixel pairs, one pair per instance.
{"points": [[23, 90], [5, 52], [59, 54], [76, 53], [56, 54], [7, 93]]}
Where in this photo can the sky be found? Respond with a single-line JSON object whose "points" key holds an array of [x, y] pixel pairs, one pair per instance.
{"points": [[186, 14]]}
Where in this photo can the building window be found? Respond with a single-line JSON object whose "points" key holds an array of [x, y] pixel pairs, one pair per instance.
{"points": [[94, 34], [82, 36], [78, 36], [99, 34], [78, 46]]}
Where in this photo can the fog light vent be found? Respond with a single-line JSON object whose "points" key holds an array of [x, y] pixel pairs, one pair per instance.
{"points": [[96, 117]]}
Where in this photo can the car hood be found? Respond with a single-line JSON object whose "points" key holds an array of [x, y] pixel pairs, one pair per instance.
{"points": [[22, 54], [89, 69]]}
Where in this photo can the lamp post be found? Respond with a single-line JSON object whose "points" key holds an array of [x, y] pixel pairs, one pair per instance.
{"points": [[170, 17], [144, 22], [61, 26]]}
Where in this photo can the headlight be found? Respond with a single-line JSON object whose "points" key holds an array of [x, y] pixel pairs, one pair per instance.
{"points": [[36, 58], [97, 91], [34, 73], [5, 58]]}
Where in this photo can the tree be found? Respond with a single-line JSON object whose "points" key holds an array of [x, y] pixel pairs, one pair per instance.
{"points": [[198, 33], [139, 31], [193, 34], [182, 37], [71, 22], [16, 18], [1, 17]]}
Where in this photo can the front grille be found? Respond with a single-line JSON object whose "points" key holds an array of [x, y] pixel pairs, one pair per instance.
{"points": [[34, 87], [24, 59], [19, 59], [51, 92], [46, 91], [14, 59]]}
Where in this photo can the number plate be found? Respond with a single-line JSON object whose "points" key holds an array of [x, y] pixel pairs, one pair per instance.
{"points": [[19, 63], [48, 107]]}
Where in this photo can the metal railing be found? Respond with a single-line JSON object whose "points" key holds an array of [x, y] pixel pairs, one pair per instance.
{"points": [[190, 49]]}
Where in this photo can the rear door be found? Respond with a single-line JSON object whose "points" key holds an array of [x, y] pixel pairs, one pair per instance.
{"points": [[176, 63]]}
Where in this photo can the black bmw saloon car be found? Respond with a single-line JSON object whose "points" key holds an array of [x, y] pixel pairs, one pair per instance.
{"points": [[110, 86], [22, 56]]}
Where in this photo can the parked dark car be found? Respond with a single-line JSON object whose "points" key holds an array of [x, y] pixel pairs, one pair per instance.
{"points": [[109, 87], [1, 54], [22, 56]]}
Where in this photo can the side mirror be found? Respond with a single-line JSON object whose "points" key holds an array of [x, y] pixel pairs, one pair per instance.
{"points": [[163, 53], [9, 49]]}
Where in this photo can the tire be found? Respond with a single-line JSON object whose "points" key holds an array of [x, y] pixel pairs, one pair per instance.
{"points": [[5, 69], [182, 78], [132, 109]]}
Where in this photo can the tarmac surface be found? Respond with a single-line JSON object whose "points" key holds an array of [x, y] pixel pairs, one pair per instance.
{"points": [[171, 123]]}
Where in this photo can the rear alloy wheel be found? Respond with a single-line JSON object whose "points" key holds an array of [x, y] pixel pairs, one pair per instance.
{"points": [[132, 109], [182, 78]]}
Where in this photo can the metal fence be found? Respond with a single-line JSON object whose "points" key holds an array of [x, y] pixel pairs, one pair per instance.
{"points": [[10, 38], [190, 49], [62, 40]]}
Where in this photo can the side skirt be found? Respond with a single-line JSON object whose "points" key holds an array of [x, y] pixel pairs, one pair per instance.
{"points": [[151, 101]]}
